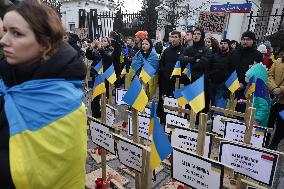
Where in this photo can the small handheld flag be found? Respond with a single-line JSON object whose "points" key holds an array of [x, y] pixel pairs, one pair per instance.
{"points": [[194, 94], [109, 74], [180, 98], [176, 70], [250, 87], [187, 71], [160, 145], [136, 96], [99, 67], [123, 72], [147, 72], [99, 86], [233, 83]]}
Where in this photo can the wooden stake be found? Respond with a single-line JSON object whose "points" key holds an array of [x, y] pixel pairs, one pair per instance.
{"points": [[126, 78], [136, 140], [201, 134], [177, 83], [232, 102], [249, 125], [192, 119], [110, 87], [103, 119]]}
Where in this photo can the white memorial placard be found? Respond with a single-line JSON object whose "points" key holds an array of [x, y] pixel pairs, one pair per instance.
{"points": [[174, 120], [143, 126], [102, 136], [196, 171], [218, 125], [236, 132], [187, 140], [170, 101], [130, 154], [255, 163], [119, 94], [110, 115]]}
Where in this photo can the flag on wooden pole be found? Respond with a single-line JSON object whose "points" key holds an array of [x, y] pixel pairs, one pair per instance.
{"points": [[194, 94], [147, 72], [176, 70], [180, 98], [123, 72], [99, 86], [136, 96], [187, 71], [250, 87], [99, 67], [110, 75], [233, 83]]}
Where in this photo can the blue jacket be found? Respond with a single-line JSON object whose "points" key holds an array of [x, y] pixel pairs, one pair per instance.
{"points": [[138, 60]]}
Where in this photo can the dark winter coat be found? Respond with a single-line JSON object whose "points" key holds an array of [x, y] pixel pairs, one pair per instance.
{"points": [[242, 58], [65, 63], [219, 69], [107, 56]]}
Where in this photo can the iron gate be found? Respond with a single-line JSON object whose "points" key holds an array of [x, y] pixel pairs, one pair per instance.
{"points": [[101, 24]]}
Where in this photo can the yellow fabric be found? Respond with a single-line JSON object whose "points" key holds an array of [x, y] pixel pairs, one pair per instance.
{"points": [[100, 89], [276, 77], [153, 84], [141, 101], [234, 86], [52, 157], [154, 156], [112, 78], [198, 103]]}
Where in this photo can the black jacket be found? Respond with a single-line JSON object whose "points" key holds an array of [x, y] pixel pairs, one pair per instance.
{"points": [[198, 56], [95, 56], [65, 63], [168, 60], [220, 68], [241, 58], [107, 56]]}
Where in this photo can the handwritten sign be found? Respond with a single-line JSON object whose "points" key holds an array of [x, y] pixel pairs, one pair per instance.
{"points": [[119, 94], [232, 8], [130, 154], [212, 22], [82, 32], [102, 136], [236, 132], [170, 101], [174, 120], [187, 140], [196, 171], [258, 164], [110, 115], [218, 126], [143, 124]]}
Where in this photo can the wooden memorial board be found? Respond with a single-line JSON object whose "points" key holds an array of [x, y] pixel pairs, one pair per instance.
{"points": [[255, 163], [235, 131], [143, 126], [129, 153], [196, 171], [170, 101], [174, 120], [110, 114], [218, 125], [187, 139], [119, 94], [102, 135]]}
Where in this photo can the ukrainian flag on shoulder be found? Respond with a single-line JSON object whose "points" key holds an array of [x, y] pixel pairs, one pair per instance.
{"points": [[48, 141], [233, 83], [147, 72], [136, 96]]}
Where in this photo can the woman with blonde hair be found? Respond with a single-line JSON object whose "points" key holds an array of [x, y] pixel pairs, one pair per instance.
{"points": [[42, 117]]}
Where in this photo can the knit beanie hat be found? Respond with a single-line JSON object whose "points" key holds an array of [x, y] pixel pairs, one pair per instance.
{"points": [[141, 35], [249, 34], [226, 41]]}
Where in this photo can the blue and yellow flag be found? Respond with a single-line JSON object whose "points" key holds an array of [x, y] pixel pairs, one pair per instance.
{"points": [[110, 75], [152, 116], [194, 94], [261, 90], [250, 87], [187, 71], [160, 145], [176, 70], [136, 96], [48, 141], [99, 86], [233, 83], [180, 98], [99, 67], [147, 72], [123, 72]]}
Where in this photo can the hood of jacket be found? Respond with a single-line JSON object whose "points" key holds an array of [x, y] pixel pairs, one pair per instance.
{"points": [[65, 63], [258, 71]]}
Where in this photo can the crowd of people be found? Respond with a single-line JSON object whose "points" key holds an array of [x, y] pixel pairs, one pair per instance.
{"points": [[206, 56], [41, 69]]}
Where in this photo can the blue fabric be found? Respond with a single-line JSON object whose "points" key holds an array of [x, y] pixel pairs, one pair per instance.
{"points": [[133, 92], [138, 60], [37, 103]]}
